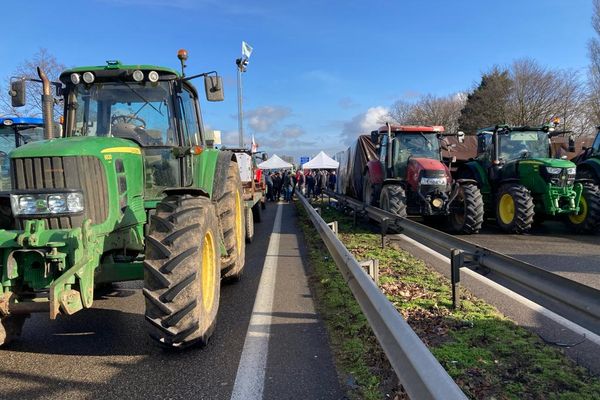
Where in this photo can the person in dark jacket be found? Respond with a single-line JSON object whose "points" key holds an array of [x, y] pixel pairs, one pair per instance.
{"points": [[287, 186], [331, 180], [310, 184], [269, 182], [276, 186]]}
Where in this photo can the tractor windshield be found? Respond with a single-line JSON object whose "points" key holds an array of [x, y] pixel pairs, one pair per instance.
{"points": [[424, 145], [523, 144], [141, 112]]}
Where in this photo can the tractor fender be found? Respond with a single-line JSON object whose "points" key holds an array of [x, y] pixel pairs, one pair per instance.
{"points": [[375, 171], [465, 181], [194, 191], [591, 169], [223, 159], [509, 180]]}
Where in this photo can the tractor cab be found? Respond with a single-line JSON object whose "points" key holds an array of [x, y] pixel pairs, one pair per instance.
{"points": [[138, 109], [15, 132]]}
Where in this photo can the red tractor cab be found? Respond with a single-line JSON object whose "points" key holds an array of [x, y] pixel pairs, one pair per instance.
{"points": [[409, 178]]}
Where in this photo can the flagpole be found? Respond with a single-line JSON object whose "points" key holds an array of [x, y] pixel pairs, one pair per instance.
{"points": [[240, 111]]}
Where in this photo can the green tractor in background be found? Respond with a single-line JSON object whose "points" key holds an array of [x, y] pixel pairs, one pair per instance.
{"points": [[130, 192], [520, 183]]}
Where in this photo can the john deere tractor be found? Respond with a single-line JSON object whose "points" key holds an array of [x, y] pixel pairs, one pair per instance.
{"points": [[129, 193], [520, 183]]}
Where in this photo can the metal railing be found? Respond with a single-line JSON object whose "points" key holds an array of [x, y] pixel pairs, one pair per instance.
{"points": [[419, 372], [571, 297]]}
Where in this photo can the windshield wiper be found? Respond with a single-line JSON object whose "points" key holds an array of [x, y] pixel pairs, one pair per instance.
{"points": [[425, 137], [144, 99]]}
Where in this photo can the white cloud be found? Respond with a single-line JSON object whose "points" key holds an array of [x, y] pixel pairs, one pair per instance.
{"points": [[364, 123], [263, 119], [292, 131]]}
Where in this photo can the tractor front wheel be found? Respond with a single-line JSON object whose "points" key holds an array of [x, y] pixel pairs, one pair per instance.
{"points": [[393, 199], [587, 220], [182, 271], [466, 211], [10, 328], [514, 208]]}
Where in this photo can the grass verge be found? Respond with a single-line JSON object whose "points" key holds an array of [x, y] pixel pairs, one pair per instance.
{"points": [[486, 354]]}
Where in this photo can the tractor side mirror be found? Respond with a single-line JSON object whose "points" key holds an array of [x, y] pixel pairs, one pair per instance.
{"points": [[265, 157], [17, 92], [375, 137], [213, 86], [571, 146], [460, 136]]}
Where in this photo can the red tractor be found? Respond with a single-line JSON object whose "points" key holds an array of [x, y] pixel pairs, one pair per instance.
{"points": [[409, 178]]}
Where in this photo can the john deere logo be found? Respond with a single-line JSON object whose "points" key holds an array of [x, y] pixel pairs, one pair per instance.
{"points": [[40, 203]]}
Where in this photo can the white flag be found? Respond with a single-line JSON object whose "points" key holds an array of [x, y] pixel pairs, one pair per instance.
{"points": [[246, 50], [254, 148]]}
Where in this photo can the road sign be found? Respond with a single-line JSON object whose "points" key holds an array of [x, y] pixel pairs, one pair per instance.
{"points": [[304, 159]]}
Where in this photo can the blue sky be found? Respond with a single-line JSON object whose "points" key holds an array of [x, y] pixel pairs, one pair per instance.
{"points": [[321, 71]]}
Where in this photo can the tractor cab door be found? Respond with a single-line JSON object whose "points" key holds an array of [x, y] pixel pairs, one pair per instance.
{"points": [[190, 128], [400, 157]]}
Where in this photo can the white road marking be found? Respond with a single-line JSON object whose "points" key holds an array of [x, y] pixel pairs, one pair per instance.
{"points": [[589, 335], [250, 378]]}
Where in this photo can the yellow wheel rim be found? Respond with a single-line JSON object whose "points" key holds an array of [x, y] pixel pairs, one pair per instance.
{"points": [[579, 218], [506, 208], [238, 222], [209, 267]]}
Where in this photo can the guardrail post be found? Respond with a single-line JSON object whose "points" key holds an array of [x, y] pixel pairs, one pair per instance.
{"points": [[334, 227], [372, 267], [457, 261], [384, 229], [318, 210]]}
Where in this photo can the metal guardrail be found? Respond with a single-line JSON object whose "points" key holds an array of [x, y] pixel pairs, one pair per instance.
{"points": [[571, 296], [420, 373]]}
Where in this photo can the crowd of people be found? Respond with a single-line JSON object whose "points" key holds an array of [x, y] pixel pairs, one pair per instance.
{"points": [[284, 184]]}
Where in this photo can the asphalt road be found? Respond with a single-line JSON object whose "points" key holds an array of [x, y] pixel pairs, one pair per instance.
{"points": [[104, 352], [551, 246]]}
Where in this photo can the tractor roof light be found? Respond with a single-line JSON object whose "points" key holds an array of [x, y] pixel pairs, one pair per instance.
{"points": [[138, 75], [88, 77], [75, 78], [153, 76], [182, 54]]}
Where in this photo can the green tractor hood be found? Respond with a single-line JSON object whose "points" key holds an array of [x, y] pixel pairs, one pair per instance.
{"points": [[547, 162], [76, 146]]}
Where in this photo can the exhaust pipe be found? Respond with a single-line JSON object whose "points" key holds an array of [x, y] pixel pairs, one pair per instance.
{"points": [[47, 105]]}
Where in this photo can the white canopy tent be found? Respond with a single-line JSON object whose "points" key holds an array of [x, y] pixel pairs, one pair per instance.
{"points": [[321, 161], [275, 162]]}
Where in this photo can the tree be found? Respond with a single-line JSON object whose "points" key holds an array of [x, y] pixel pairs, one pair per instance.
{"points": [[487, 104], [28, 68], [429, 110], [593, 89]]}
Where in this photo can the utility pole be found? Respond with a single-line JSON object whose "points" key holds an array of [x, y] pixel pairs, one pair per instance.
{"points": [[242, 65]]}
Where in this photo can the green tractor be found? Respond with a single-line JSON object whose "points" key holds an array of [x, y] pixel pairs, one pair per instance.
{"points": [[521, 184], [130, 192]]}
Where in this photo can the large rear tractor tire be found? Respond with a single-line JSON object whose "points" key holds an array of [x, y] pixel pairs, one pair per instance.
{"points": [[466, 211], [249, 221], [514, 208], [182, 271], [393, 199], [10, 328], [588, 218], [230, 208]]}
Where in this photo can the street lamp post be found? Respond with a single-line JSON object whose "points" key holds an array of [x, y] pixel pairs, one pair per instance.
{"points": [[242, 65]]}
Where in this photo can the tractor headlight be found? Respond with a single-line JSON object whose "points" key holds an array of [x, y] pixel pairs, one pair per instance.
{"points": [[46, 203], [434, 181], [553, 170], [571, 171]]}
